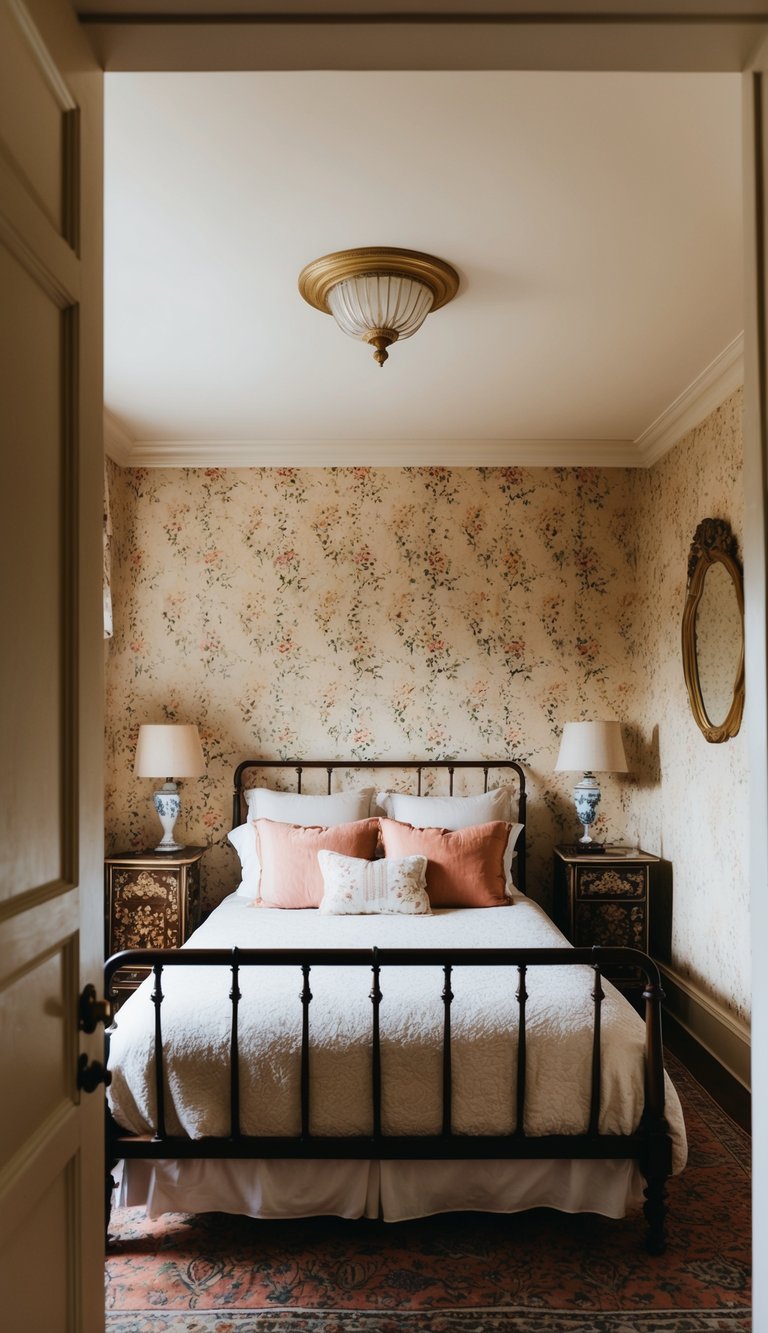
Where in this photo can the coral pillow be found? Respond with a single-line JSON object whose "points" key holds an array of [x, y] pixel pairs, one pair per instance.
{"points": [[290, 873], [454, 812], [465, 867]]}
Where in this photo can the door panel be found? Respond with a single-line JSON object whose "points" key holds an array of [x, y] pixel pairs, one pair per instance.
{"points": [[51, 841], [35, 428], [48, 1305], [32, 110]]}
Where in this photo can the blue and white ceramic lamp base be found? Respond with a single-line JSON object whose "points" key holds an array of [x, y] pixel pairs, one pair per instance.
{"points": [[586, 794], [168, 806]]}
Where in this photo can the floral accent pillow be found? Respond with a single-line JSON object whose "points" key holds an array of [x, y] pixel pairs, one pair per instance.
{"points": [[366, 888]]}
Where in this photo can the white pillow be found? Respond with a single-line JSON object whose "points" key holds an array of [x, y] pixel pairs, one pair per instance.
{"points": [[243, 839], [397, 884], [288, 807], [448, 812], [455, 812]]}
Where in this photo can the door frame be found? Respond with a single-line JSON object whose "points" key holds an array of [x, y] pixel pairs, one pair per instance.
{"points": [[685, 35]]}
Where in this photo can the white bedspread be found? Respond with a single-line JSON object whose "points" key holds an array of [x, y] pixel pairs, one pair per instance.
{"points": [[196, 1025]]}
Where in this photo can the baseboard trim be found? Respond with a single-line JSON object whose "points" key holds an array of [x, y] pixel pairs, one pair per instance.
{"points": [[723, 1036]]}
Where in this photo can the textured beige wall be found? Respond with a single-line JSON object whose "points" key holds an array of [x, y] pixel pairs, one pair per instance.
{"points": [[691, 801], [420, 612]]}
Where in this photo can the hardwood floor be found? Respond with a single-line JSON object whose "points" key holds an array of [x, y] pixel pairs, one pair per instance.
{"points": [[726, 1090]]}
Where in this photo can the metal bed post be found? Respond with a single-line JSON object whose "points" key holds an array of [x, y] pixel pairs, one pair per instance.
{"points": [[521, 995], [376, 997], [157, 1000], [447, 998], [235, 996]]}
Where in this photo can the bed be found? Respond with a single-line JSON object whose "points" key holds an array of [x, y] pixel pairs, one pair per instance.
{"points": [[421, 1053]]}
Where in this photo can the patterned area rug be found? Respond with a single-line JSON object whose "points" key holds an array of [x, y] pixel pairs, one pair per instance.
{"points": [[535, 1272]]}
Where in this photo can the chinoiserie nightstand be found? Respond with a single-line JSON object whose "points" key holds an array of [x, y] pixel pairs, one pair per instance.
{"points": [[152, 901], [603, 898]]}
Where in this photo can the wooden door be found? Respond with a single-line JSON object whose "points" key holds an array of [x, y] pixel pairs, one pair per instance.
{"points": [[51, 478]]}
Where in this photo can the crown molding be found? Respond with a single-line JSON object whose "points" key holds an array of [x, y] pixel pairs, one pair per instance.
{"points": [[118, 444], [711, 388], [720, 379], [381, 453]]}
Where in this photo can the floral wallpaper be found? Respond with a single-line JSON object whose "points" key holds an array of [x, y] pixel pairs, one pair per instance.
{"points": [[691, 800], [366, 613], [399, 613]]}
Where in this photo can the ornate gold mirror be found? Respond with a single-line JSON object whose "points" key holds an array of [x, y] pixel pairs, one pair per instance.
{"points": [[713, 631]]}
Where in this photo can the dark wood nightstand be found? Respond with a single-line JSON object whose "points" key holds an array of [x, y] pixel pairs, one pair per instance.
{"points": [[604, 898], [152, 901]]}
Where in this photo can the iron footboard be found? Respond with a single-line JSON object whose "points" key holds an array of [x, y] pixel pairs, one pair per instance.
{"points": [[649, 1144]]}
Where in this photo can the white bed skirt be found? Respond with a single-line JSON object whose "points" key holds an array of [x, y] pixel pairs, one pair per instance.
{"points": [[394, 1191]]}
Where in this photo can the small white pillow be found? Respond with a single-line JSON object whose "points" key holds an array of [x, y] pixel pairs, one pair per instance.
{"points": [[243, 839], [453, 813], [365, 888], [288, 807]]}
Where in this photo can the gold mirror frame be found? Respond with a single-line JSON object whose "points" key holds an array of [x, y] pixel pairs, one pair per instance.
{"points": [[713, 543]]}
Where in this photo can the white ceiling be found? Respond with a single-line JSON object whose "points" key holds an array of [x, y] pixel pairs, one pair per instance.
{"points": [[594, 219]]}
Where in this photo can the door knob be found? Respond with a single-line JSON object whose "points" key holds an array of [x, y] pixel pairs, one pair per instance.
{"points": [[89, 1076], [92, 1011]]}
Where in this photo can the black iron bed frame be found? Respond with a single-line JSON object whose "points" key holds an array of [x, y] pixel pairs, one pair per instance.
{"points": [[649, 1145]]}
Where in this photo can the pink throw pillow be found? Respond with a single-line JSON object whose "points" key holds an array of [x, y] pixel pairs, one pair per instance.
{"points": [[465, 867], [290, 871]]}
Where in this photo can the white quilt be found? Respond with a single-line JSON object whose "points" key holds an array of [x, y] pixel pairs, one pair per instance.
{"points": [[196, 1026]]}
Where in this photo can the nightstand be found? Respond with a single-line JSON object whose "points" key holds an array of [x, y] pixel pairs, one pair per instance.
{"points": [[603, 898], [152, 901]]}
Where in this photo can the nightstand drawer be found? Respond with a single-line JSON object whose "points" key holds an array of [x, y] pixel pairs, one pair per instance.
{"points": [[144, 907], [125, 981], [618, 924], [153, 901], [612, 881]]}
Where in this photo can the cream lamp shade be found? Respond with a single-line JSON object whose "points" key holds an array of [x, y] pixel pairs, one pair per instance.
{"points": [[589, 748], [592, 747], [168, 750]]}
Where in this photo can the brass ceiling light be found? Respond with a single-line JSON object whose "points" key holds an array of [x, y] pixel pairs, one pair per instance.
{"points": [[379, 294]]}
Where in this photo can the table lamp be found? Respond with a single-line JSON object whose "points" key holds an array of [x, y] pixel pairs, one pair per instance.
{"points": [[590, 747], [168, 748]]}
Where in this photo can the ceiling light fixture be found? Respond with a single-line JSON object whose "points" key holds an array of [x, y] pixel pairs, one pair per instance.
{"points": [[379, 294]]}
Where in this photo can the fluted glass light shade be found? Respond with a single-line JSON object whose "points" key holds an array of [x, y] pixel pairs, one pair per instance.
{"points": [[380, 301], [168, 750], [590, 747], [378, 295]]}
